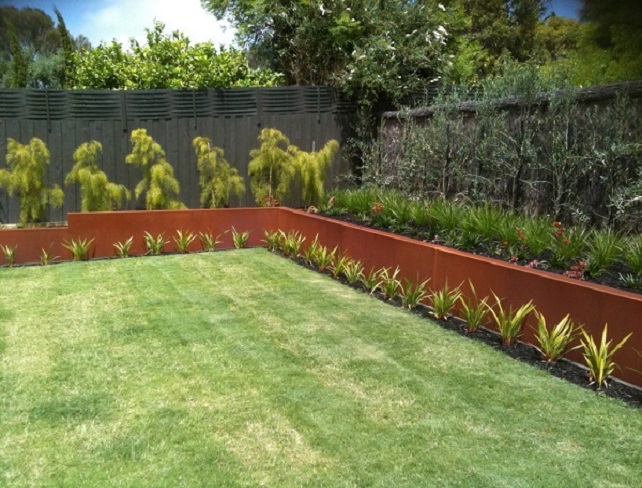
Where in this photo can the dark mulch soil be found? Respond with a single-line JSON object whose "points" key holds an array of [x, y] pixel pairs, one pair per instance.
{"points": [[610, 278], [526, 353]]}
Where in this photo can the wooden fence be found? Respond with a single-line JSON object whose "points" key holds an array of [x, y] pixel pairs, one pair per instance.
{"points": [[64, 119], [571, 155]]}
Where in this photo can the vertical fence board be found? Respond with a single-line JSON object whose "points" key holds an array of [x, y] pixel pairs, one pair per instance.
{"points": [[181, 171], [232, 120], [4, 202]]}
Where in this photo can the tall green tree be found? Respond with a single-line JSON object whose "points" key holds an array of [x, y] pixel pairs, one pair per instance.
{"points": [[376, 51], [272, 168], [67, 45], [500, 29], [615, 22], [33, 27], [312, 167], [603, 48], [41, 48], [19, 70]]}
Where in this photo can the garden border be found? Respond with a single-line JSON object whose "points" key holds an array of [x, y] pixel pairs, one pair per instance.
{"points": [[553, 295]]}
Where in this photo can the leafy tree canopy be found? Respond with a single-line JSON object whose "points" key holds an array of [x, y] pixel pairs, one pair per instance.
{"points": [[604, 48], [166, 61], [376, 51], [382, 50], [36, 57]]}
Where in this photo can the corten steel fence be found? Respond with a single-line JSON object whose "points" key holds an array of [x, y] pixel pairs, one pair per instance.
{"points": [[233, 118]]}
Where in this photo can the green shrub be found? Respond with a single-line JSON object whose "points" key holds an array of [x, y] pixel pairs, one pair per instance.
{"points": [[273, 239], [389, 283], [183, 241], [353, 271], [604, 249], [9, 253], [509, 321], [312, 167], [473, 310], [444, 301], [97, 193], [239, 239], [413, 293], [79, 248], [291, 243], [271, 168], [158, 184], [208, 241], [154, 245], [599, 357], [554, 343], [218, 181], [122, 249]]}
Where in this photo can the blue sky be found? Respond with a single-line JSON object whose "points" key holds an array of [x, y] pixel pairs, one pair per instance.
{"points": [[121, 19], [104, 20], [566, 8]]}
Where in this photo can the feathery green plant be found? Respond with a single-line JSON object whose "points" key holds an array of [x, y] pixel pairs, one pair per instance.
{"points": [[568, 246], [26, 178], [97, 193], [158, 183], [217, 179], [633, 254], [604, 248], [271, 168], [312, 167]]}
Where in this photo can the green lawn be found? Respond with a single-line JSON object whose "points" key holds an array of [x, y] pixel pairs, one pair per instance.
{"points": [[242, 369]]}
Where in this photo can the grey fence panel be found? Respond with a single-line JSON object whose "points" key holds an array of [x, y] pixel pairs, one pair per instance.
{"points": [[232, 119]]}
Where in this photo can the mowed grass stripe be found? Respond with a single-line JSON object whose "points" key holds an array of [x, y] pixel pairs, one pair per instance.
{"points": [[242, 369]]}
